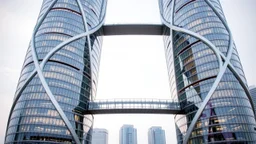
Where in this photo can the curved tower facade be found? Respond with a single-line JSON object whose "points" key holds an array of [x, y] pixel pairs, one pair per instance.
{"points": [[59, 75], [206, 75]]}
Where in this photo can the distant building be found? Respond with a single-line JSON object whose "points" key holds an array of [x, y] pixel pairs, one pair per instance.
{"points": [[128, 135], [253, 95], [99, 136], [156, 135]]}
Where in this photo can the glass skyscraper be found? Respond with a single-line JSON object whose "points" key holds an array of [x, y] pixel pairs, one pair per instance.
{"points": [[128, 135], [99, 136], [59, 75], [156, 135], [206, 75]]}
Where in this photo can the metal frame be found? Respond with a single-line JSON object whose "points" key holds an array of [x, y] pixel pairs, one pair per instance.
{"points": [[218, 79], [88, 39]]}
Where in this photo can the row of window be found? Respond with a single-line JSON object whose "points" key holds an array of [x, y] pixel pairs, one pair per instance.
{"points": [[225, 137]]}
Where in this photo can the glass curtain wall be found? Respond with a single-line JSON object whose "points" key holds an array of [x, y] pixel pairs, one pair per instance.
{"points": [[195, 70], [71, 74]]}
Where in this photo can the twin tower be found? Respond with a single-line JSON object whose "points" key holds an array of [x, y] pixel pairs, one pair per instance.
{"points": [[60, 74]]}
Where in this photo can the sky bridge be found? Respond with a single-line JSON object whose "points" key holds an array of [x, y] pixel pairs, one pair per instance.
{"points": [[134, 106], [133, 29]]}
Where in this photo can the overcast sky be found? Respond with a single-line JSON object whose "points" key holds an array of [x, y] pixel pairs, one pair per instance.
{"points": [[131, 66]]}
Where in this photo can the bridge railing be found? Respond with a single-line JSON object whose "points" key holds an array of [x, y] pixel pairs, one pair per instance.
{"points": [[134, 104]]}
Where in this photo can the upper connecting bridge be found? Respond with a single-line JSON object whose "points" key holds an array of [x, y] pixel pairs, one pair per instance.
{"points": [[133, 29]]}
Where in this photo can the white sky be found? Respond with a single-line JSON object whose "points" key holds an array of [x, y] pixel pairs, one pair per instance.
{"points": [[131, 66]]}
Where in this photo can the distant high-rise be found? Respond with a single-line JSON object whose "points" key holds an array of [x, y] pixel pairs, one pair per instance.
{"points": [[156, 135], [99, 136], [253, 95], [128, 135]]}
